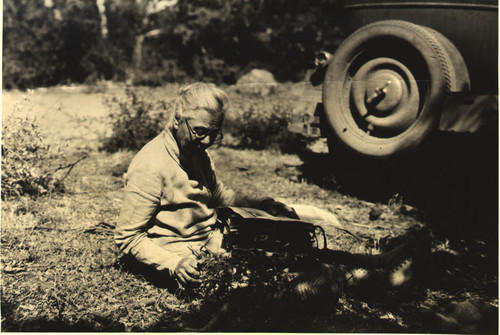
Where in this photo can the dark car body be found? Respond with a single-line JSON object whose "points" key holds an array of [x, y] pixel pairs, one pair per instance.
{"points": [[471, 25]]}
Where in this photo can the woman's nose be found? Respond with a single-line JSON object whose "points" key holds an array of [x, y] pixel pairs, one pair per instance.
{"points": [[206, 141]]}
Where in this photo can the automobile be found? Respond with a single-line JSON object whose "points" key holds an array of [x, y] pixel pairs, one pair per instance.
{"points": [[406, 70]]}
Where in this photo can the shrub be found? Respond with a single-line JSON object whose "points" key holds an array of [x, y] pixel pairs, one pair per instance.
{"points": [[28, 166], [259, 122], [253, 122], [135, 119]]}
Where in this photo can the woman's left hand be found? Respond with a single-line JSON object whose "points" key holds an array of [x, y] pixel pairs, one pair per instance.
{"points": [[277, 208]]}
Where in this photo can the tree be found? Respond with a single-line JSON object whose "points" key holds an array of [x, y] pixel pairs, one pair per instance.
{"points": [[80, 55], [31, 41], [48, 43], [155, 41]]}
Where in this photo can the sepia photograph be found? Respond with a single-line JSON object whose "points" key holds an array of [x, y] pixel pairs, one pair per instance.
{"points": [[264, 166]]}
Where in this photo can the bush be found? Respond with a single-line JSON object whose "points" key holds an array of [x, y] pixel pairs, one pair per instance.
{"points": [[259, 122], [252, 122], [28, 167], [135, 119]]}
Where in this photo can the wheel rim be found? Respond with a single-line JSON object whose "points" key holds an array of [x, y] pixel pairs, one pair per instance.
{"points": [[419, 71], [383, 99]]}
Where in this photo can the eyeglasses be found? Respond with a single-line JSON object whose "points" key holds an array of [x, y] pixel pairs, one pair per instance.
{"points": [[201, 133]]}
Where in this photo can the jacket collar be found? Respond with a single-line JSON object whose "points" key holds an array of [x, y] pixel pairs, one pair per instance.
{"points": [[171, 145]]}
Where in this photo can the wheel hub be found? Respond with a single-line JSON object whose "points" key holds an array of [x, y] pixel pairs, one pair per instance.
{"points": [[383, 92], [384, 96]]}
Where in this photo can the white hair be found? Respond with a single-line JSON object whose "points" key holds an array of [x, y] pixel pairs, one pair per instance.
{"points": [[199, 96]]}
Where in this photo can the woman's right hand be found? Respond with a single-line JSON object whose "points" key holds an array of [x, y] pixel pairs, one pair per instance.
{"points": [[187, 270]]}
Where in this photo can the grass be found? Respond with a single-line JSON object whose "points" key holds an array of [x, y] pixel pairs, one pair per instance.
{"points": [[61, 270]]}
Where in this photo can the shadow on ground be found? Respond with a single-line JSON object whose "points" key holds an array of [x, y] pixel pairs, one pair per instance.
{"points": [[42, 324], [453, 178]]}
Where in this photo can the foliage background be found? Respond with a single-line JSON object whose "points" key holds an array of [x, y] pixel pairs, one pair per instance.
{"points": [[58, 42]]}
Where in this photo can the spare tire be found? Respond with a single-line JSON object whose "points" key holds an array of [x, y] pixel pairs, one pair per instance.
{"points": [[385, 86]]}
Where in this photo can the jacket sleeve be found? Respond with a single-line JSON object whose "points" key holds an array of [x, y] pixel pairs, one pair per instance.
{"points": [[223, 196], [140, 204]]}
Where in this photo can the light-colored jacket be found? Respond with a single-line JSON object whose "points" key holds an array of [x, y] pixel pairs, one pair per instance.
{"points": [[169, 206]]}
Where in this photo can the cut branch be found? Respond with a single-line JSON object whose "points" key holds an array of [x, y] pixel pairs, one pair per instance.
{"points": [[70, 166]]}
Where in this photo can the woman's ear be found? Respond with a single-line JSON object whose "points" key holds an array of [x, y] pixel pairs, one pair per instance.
{"points": [[177, 120]]}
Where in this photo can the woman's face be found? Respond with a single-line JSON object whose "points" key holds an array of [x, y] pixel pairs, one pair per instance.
{"points": [[198, 130]]}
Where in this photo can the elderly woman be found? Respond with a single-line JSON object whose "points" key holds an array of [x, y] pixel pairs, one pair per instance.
{"points": [[171, 190], [171, 194]]}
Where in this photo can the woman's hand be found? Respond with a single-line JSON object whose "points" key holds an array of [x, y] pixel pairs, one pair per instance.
{"points": [[277, 208], [187, 270]]}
